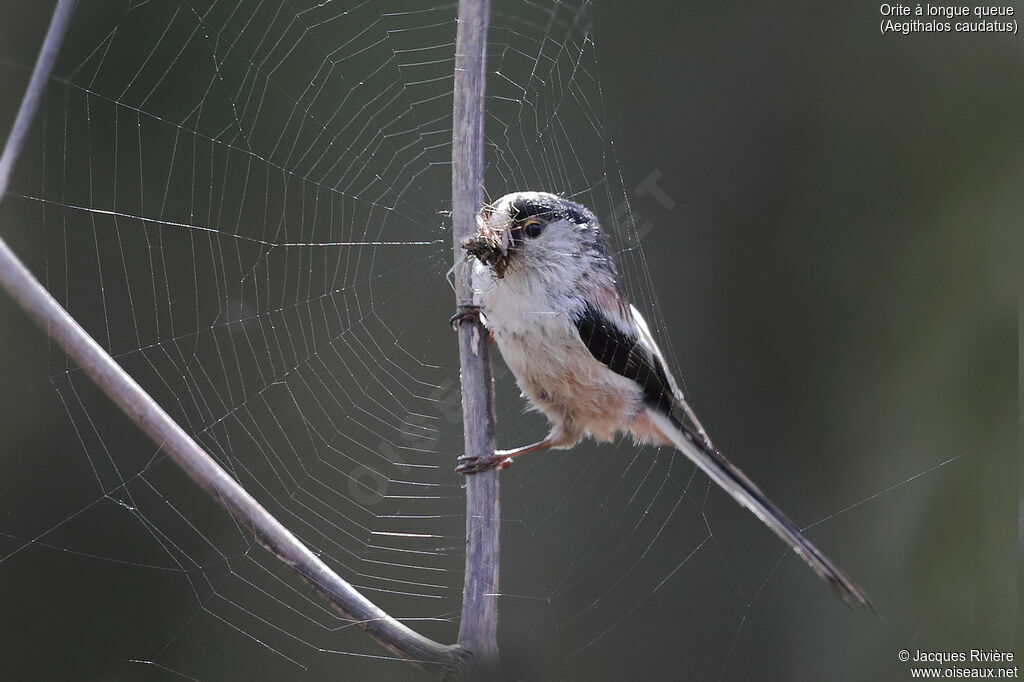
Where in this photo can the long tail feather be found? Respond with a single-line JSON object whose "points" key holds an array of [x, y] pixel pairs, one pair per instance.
{"points": [[736, 483]]}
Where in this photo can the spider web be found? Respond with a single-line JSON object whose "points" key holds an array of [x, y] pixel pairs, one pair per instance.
{"points": [[246, 204]]}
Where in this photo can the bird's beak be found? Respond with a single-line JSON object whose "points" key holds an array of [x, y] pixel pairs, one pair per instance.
{"points": [[493, 241]]}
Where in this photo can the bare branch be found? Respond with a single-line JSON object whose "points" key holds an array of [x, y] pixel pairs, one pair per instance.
{"points": [[478, 631], [30, 102], [151, 418]]}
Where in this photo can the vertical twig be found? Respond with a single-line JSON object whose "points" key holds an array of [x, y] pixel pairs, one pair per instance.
{"points": [[140, 407], [478, 631]]}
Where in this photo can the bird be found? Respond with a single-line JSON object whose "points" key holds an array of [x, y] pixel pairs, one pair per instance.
{"points": [[545, 287]]}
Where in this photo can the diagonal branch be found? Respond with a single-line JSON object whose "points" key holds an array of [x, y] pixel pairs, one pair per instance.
{"points": [[140, 407], [37, 83]]}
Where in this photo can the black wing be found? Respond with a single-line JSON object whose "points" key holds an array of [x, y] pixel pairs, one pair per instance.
{"points": [[628, 355]]}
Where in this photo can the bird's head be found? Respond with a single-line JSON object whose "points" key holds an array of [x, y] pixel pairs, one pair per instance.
{"points": [[528, 232]]}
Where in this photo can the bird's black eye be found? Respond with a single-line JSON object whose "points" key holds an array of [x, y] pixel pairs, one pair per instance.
{"points": [[532, 227]]}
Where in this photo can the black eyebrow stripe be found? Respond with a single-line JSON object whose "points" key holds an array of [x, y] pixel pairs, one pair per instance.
{"points": [[524, 208], [527, 208]]}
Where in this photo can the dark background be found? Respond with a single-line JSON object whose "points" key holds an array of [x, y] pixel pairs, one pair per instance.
{"points": [[837, 269]]}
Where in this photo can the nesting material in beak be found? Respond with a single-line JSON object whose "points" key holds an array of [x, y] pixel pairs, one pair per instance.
{"points": [[490, 245]]}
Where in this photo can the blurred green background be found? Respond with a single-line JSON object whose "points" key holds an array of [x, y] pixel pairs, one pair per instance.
{"points": [[835, 251]]}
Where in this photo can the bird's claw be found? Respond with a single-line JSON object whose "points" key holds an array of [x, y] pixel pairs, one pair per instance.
{"points": [[474, 464], [468, 312]]}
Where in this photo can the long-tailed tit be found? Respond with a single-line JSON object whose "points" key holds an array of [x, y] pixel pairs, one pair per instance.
{"points": [[546, 285]]}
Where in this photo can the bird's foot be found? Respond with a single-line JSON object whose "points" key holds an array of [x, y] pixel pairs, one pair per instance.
{"points": [[467, 313], [474, 464]]}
